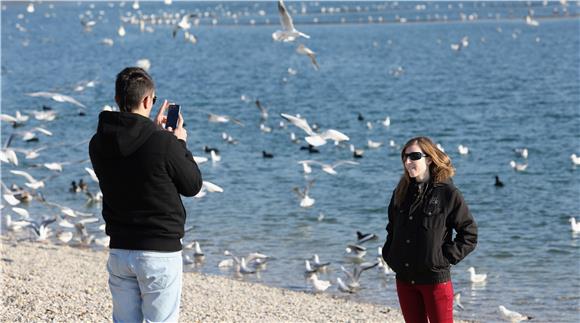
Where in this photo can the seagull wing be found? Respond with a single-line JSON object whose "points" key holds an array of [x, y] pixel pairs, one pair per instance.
{"points": [[334, 135], [44, 131], [70, 99], [298, 122], [29, 178], [211, 187], [92, 173], [343, 162], [298, 192], [313, 60], [285, 18]]}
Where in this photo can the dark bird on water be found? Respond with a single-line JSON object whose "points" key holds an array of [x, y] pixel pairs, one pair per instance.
{"points": [[498, 183], [266, 154]]}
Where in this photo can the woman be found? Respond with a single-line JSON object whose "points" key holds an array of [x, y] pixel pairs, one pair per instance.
{"points": [[424, 210]]}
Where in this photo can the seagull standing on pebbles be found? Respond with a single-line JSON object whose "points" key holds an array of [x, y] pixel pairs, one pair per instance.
{"points": [[319, 285]]}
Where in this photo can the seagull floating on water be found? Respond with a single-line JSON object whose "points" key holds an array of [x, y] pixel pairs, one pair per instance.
{"points": [[476, 278], [517, 166], [575, 226], [575, 159], [512, 316]]}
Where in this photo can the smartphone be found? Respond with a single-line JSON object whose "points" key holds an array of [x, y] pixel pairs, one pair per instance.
{"points": [[172, 116]]}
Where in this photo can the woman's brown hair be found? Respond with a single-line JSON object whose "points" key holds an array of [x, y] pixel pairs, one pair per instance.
{"points": [[440, 169]]}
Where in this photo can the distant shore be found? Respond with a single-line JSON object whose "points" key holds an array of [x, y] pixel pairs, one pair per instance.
{"points": [[45, 282]]}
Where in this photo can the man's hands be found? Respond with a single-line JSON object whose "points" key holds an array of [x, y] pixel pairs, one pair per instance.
{"points": [[161, 119]]}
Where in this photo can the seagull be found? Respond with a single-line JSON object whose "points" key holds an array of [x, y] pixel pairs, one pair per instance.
{"points": [[217, 118], [41, 229], [289, 33], [57, 97], [143, 63], [518, 167], [530, 21], [64, 236], [357, 250], [314, 138], [319, 285], [523, 152], [575, 159], [374, 144], [463, 150], [208, 187], [575, 225], [354, 277], [343, 287], [303, 50], [305, 200], [121, 31], [197, 253], [17, 120], [386, 122], [263, 110], [383, 265], [244, 268], [49, 115], [215, 157], [184, 23], [364, 237], [32, 183], [15, 225], [327, 168], [512, 316], [309, 269], [317, 265], [457, 300], [498, 183], [305, 167], [476, 278]]}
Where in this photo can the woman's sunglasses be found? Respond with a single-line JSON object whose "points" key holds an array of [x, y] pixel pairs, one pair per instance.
{"points": [[414, 155]]}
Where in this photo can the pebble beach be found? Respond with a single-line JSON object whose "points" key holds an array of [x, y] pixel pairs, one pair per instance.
{"points": [[46, 282]]}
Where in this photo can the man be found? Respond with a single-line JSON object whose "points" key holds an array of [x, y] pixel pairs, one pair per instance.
{"points": [[142, 170]]}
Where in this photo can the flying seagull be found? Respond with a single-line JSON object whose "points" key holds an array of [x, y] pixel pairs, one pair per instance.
{"points": [[289, 33]]}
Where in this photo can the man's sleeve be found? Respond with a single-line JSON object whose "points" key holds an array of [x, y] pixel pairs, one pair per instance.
{"points": [[182, 169]]}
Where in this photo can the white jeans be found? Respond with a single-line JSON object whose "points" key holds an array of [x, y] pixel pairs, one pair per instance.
{"points": [[145, 285]]}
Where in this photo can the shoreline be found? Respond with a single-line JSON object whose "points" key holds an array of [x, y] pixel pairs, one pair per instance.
{"points": [[49, 282]]}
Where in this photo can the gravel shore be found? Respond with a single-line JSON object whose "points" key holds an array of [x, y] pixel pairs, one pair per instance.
{"points": [[44, 282]]}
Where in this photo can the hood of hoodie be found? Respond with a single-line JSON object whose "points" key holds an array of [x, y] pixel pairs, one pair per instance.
{"points": [[124, 132]]}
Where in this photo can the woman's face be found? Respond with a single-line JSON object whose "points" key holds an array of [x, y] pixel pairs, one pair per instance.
{"points": [[416, 163]]}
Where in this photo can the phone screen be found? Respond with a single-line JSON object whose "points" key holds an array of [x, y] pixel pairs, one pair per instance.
{"points": [[172, 116]]}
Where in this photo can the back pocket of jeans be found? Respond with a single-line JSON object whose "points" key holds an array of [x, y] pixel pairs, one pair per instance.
{"points": [[153, 273]]}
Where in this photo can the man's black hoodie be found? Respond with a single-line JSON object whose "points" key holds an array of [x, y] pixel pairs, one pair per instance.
{"points": [[142, 170]]}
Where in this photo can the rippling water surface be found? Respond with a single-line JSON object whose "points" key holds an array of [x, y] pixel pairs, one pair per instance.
{"points": [[514, 86]]}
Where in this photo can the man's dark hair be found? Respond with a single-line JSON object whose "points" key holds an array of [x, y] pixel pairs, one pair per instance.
{"points": [[132, 84]]}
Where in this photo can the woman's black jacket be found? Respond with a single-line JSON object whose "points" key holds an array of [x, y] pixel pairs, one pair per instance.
{"points": [[420, 246]]}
